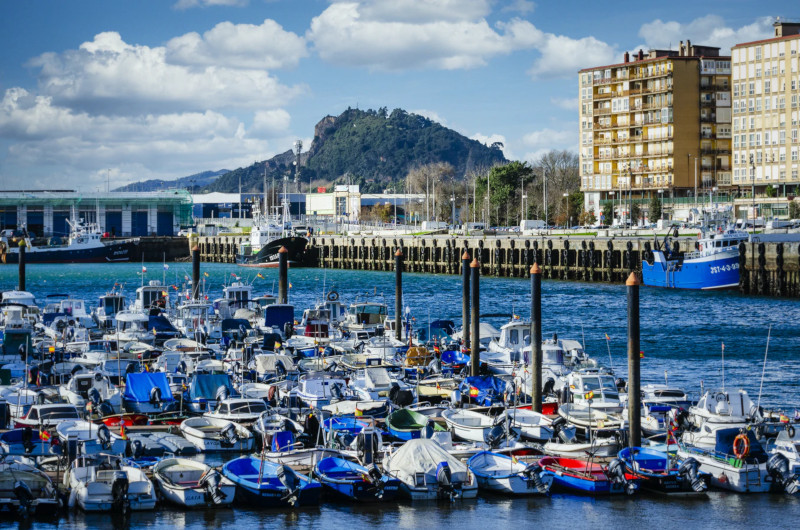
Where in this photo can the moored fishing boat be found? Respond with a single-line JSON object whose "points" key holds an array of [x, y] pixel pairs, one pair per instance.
{"points": [[500, 473], [270, 485], [355, 482], [588, 477], [405, 424], [214, 434], [663, 473], [192, 484]]}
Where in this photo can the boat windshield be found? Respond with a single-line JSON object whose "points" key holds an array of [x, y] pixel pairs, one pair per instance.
{"points": [[248, 408], [113, 305], [597, 382], [60, 413]]}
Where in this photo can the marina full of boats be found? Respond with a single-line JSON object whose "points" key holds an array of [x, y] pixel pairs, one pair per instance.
{"points": [[114, 409]]}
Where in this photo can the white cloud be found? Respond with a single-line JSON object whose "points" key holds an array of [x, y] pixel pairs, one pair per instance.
{"points": [[361, 34], [541, 141], [565, 103], [709, 30], [431, 115], [563, 56], [79, 145], [267, 46], [188, 4], [270, 122], [488, 140], [110, 76], [421, 11], [524, 7]]}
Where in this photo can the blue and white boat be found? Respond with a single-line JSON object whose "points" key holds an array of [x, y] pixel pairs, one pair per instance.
{"points": [[664, 473], [147, 393], [353, 481], [269, 485], [712, 264]]}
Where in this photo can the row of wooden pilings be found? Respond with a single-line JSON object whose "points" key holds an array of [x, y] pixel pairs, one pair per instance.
{"points": [[767, 268]]}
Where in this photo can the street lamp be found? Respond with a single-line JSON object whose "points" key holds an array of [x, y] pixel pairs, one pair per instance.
{"points": [[661, 202], [611, 221], [566, 208], [753, 178]]}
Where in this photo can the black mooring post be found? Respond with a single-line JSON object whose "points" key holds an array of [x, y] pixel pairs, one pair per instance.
{"points": [[22, 248], [196, 272], [283, 276], [536, 337], [634, 353], [475, 340], [465, 320], [398, 294]]}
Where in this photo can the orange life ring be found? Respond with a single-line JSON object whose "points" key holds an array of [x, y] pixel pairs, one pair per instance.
{"points": [[741, 446]]}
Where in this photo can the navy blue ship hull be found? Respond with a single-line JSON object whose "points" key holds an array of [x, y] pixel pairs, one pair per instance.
{"points": [[109, 252], [268, 255]]}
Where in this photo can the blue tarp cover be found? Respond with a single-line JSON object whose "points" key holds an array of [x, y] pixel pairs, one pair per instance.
{"points": [[206, 385], [160, 324], [278, 315], [138, 386], [490, 389]]}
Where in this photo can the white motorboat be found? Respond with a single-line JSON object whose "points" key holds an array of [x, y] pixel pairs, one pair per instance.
{"points": [[738, 463], [538, 427], [719, 410], [190, 483], [48, 416], [428, 472], [505, 474], [784, 460], [239, 410], [26, 491], [94, 388], [317, 390], [505, 351], [587, 417], [131, 327], [467, 424], [599, 447], [214, 434], [596, 385], [101, 484], [91, 438]]}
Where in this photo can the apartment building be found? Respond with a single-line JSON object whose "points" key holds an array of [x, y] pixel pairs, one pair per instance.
{"points": [[656, 123], [766, 113]]}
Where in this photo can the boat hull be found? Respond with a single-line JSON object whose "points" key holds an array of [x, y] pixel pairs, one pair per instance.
{"points": [[109, 252], [715, 271], [268, 255]]}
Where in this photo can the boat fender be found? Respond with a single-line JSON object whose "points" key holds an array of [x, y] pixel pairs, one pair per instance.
{"points": [[24, 495], [741, 446], [210, 482], [778, 468], [689, 470], [73, 499]]}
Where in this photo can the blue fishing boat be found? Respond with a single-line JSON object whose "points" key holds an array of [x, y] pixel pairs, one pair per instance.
{"points": [[25, 441], [353, 481], [587, 477], [664, 473], [206, 390], [269, 485], [713, 263]]}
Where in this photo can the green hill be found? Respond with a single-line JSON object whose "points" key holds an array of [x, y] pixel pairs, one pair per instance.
{"points": [[374, 148]]}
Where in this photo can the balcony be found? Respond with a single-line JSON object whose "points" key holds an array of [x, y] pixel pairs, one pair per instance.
{"points": [[708, 118]]}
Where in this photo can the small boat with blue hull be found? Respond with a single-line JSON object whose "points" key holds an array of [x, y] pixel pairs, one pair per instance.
{"points": [[355, 482], [501, 473], [713, 264], [663, 473], [270, 485], [589, 478], [405, 424]]}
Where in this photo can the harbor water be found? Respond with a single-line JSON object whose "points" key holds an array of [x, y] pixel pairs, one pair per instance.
{"points": [[682, 336]]}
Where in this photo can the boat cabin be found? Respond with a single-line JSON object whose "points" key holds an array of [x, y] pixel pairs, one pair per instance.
{"points": [[595, 385], [366, 315], [152, 295]]}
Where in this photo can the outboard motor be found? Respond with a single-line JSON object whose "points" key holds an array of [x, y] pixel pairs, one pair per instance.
{"points": [[222, 393], [621, 384], [678, 419], [778, 468], [558, 430], [689, 470], [228, 435], [105, 409], [548, 386], [291, 482], [533, 476], [27, 440], [367, 446], [401, 398], [134, 449], [288, 330], [444, 478], [182, 368], [94, 397], [119, 492], [155, 396], [495, 436], [311, 428], [616, 473], [374, 477], [104, 437], [336, 391], [24, 495], [210, 482]]}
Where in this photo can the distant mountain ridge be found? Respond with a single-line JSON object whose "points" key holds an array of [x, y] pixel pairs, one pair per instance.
{"points": [[198, 180]]}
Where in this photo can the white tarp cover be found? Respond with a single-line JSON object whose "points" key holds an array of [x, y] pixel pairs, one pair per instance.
{"points": [[265, 363], [377, 378], [422, 455]]}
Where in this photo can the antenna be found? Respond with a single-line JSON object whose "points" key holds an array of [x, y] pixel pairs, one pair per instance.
{"points": [[764, 368]]}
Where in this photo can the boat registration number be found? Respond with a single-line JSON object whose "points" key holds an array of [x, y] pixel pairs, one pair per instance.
{"points": [[724, 268]]}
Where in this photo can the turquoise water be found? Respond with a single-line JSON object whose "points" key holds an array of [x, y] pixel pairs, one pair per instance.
{"points": [[682, 333]]}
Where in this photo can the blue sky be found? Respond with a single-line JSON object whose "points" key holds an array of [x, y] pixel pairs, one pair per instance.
{"points": [[132, 90]]}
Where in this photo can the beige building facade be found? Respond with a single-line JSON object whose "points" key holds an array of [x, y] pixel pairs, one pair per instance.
{"points": [[657, 123], [766, 114]]}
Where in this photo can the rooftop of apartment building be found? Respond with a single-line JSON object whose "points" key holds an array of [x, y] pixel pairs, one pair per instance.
{"points": [[783, 30], [685, 50]]}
